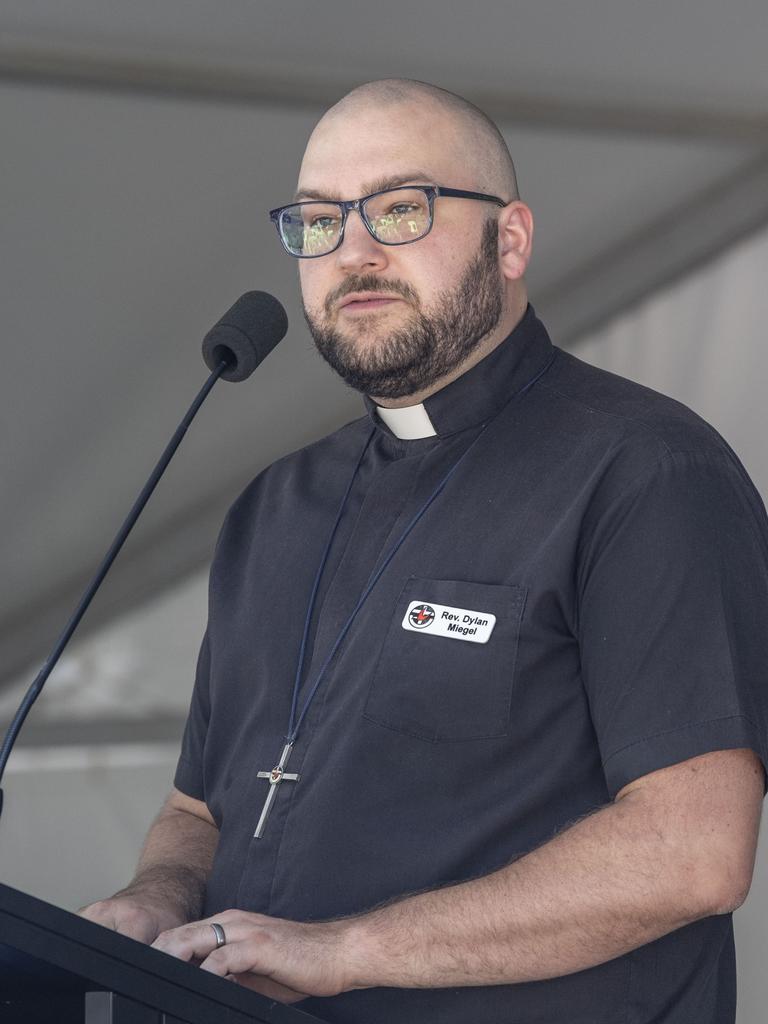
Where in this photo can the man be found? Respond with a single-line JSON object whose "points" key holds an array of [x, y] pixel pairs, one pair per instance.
{"points": [[479, 724]]}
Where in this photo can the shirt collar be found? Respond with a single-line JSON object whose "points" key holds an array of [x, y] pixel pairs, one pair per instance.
{"points": [[409, 423], [483, 390]]}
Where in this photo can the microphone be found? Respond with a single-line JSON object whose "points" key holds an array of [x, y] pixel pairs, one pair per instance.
{"points": [[245, 335], [232, 349]]}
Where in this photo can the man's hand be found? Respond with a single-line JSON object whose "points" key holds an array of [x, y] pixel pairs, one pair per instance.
{"points": [[137, 918], [284, 960]]}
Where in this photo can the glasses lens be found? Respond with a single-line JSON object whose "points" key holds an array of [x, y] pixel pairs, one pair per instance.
{"points": [[401, 215], [310, 229]]}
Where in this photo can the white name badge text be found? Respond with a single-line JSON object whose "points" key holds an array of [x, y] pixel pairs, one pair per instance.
{"points": [[441, 620]]}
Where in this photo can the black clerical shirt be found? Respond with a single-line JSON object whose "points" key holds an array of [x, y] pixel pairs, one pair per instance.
{"points": [[615, 556]]}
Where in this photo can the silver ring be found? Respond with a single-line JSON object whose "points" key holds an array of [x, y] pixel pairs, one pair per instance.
{"points": [[218, 931]]}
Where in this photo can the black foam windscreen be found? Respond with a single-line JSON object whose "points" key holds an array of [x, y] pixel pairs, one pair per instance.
{"points": [[245, 335]]}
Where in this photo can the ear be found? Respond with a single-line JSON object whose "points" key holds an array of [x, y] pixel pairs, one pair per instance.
{"points": [[515, 239]]}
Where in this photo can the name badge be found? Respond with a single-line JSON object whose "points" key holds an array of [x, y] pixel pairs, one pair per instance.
{"points": [[441, 620]]}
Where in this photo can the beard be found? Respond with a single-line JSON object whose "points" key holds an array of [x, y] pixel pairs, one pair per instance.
{"points": [[433, 342]]}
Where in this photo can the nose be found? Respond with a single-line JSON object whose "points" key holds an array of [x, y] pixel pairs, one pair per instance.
{"points": [[359, 250]]}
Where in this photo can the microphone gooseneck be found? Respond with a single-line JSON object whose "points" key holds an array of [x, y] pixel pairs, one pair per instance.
{"points": [[232, 349]]}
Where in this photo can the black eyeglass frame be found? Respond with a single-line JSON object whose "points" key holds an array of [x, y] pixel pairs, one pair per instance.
{"points": [[431, 191]]}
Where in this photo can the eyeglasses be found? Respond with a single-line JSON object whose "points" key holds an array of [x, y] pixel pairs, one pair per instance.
{"points": [[396, 216]]}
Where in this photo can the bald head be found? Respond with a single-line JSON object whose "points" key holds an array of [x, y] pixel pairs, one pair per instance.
{"points": [[455, 123]]}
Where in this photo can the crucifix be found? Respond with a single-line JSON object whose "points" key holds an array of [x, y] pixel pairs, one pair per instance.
{"points": [[276, 776]]}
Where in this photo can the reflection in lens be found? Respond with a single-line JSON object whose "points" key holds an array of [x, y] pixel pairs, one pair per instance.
{"points": [[401, 215], [311, 229], [319, 238]]}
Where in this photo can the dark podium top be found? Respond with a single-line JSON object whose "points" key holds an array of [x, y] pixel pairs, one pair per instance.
{"points": [[58, 968]]}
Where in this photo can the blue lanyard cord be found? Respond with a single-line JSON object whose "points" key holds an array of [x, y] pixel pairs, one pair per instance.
{"points": [[293, 730], [313, 595]]}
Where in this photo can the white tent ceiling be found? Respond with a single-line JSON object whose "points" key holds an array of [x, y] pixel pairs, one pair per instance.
{"points": [[142, 144]]}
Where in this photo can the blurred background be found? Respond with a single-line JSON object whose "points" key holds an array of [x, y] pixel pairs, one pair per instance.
{"points": [[142, 145]]}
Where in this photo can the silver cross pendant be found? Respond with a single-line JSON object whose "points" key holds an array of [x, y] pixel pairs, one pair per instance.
{"points": [[276, 776]]}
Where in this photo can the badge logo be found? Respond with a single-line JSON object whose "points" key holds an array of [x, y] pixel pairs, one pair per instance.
{"points": [[421, 615]]}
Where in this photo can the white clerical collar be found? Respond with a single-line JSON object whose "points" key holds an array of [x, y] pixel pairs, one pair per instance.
{"points": [[409, 423]]}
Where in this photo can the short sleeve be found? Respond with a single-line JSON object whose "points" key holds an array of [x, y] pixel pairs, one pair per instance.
{"points": [[673, 616], [189, 769]]}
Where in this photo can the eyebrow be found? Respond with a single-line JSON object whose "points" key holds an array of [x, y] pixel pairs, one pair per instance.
{"points": [[379, 185]]}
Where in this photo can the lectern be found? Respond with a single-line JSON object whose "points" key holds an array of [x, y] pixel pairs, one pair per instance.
{"points": [[58, 968]]}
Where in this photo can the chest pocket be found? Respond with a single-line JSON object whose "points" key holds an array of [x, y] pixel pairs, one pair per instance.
{"points": [[439, 687]]}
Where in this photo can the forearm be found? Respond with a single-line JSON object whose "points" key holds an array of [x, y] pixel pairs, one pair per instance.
{"points": [[175, 863], [169, 885], [610, 883]]}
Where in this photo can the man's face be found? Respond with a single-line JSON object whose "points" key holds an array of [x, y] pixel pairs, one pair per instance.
{"points": [[417, 310]]}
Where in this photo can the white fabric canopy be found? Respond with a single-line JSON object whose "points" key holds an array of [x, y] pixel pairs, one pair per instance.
{"points": [[702, 340]]}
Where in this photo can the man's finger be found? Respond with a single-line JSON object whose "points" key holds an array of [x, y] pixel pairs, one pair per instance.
{"points": [[234, 958], [189, 941], [135, 922]]}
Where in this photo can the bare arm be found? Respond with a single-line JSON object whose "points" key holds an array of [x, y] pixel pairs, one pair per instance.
{"points": [[169, 885], [676, 845]]}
